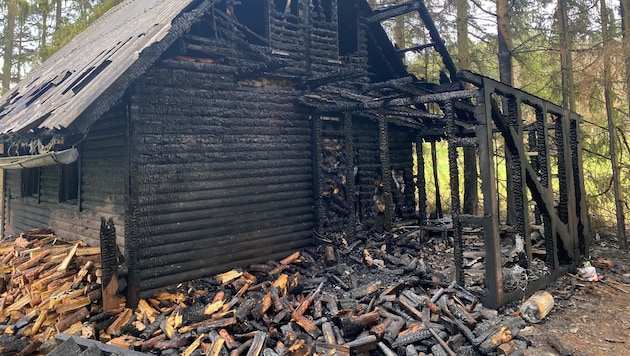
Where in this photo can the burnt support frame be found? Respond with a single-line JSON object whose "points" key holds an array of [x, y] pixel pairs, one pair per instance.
{"points": [[420, 181], [573, 231]]}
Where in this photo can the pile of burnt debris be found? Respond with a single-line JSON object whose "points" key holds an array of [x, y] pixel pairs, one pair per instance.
{"points": [[374, 296]]}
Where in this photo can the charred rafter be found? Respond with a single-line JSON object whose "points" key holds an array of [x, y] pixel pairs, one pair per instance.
{"points": [[393, 11]]}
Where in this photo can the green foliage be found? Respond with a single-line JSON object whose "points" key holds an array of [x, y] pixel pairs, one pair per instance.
{"points": [[70, 29]]}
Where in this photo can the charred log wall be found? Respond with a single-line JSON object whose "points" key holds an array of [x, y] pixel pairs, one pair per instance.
{"points": [[221, 172], [351, 183], [369, 174], [103, 171]]}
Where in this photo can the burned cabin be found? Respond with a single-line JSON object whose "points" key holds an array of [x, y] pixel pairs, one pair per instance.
{"points": [[213, 134]]}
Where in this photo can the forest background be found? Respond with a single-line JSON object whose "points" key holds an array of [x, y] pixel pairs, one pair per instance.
{"points": [[574, 53]]}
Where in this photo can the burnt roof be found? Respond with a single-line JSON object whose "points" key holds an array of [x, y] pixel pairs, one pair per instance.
{"points": [[82, 80], [92, 71]]}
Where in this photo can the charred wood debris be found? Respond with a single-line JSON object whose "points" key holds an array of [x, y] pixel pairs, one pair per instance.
{"points": [[390, 294]]}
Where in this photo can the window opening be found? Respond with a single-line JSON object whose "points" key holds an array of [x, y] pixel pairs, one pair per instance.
{"points": [[253, 15], [69, 183], [348, 30], [30, 182]]}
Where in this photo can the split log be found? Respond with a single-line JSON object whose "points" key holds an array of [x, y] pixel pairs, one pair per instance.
{"points": [[75, 317], [385, 349], [353, 325], [150, 343], [306, 324], [66, 262], [208, 325], [328, 333], [307, 301], [380, 328], [330, 258], [323, 348], [367, 289], [408, 306], [229, 341], [173, 343], [441, 342], [244, 346], [229, 276], [507, 349], [217, 347], [195, 344], [411, 335], [292, 258], [501, 336], [363, 344], [257, 343], [153, 327]]}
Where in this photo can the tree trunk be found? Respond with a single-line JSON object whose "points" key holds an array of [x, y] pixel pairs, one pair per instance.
{"points": [[565, 57], [44, 12], [471, 195], [625, 23], [58, 14], [9, 36], [505, 76], [399, 30], [621, 230]]}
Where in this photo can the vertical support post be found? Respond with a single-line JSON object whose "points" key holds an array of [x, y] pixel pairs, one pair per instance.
{"points": [[583, 232], [132, 244], [386, 171], [492, 238], [542, 129], [317, 174], [532, 142], [458, 253], [109, 263], [436, 181], [521, 216], [569, 187], [351, 190], [420, 181]]}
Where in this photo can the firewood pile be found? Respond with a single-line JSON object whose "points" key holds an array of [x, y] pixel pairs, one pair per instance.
{"points": [[48, 286], [363, 298]]}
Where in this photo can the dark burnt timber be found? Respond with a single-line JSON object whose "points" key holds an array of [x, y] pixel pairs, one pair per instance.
{"points": [[420, 7], [230, 133]]}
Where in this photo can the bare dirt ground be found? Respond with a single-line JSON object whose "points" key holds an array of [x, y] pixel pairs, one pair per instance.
{"points": [[588, 318]]}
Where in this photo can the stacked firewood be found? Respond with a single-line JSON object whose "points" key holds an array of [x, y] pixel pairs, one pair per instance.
{"points": [[334, 299], [47, 286]]}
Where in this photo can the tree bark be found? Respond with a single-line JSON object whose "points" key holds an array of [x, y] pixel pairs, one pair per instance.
{"points": [[621, 230], [625, 23], [565, 57], [505, 76], [399, 31], [9, 36], [471, 195]]}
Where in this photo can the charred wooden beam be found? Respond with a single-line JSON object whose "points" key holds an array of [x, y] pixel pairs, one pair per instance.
{"points": [[394, 11], [109, 262], [417, 48]]}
